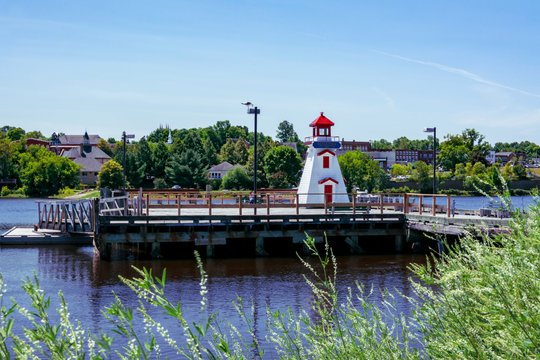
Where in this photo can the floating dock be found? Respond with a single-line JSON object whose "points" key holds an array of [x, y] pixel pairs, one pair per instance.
{"points": [[29, 236]]}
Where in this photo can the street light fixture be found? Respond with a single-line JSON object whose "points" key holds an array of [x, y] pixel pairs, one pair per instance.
{"points": [[255, 111], [124, 137], [434, 131]]}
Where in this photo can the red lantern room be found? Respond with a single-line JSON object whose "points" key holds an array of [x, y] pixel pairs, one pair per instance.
{"points": [[321, 126]]}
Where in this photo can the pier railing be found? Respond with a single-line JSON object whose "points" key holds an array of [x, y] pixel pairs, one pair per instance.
{"points": [[75, 216], [160, 202]]}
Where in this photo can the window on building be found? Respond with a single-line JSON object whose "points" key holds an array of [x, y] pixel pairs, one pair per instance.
{"points": [[326, 162]]}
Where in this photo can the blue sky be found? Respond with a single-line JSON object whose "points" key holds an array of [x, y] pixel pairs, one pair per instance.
{"points": [[378, 69]]}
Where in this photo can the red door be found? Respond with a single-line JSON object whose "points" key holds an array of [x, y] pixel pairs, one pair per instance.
{"points": [[328, 193]]}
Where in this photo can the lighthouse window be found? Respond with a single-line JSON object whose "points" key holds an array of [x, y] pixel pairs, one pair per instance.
{"points": [[323, 131], [326, 162]]}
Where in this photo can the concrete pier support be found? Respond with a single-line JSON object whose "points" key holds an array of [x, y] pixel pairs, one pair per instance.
{"points": [[259, 247], [398, 243], [210, 251], [352, 241], [156, 250]]}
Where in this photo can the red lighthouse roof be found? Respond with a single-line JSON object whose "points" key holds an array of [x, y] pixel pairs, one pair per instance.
{"points": [[322, 121]]}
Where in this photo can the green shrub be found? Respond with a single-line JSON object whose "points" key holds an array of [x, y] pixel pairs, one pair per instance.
{"points": [[5, 191]]}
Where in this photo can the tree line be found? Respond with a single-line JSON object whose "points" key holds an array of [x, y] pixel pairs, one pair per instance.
{"points": [[152, 162]]}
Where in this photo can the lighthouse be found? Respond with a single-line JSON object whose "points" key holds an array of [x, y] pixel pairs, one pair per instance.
{"points": [[321, 179]]}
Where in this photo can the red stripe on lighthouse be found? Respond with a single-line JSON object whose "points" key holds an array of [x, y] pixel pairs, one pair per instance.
{"points": [[326, 151], [328, 179]]}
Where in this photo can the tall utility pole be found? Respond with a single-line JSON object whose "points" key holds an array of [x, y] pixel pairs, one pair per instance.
{"points": [[124, 162], [124, 137], [255, 111], [434, 131]]}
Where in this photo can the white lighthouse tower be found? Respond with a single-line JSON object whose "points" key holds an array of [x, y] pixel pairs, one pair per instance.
{"points": [[322, 176]]}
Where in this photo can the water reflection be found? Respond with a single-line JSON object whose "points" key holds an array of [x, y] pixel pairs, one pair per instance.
{"points": [[275, 283]]}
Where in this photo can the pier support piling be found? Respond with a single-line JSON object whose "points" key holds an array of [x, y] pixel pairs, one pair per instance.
{"points": [[156, 250]]}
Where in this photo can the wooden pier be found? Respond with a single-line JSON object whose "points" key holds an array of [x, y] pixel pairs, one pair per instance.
{"points": [[159, 223]]}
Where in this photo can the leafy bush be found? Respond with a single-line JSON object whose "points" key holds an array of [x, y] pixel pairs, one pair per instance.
{"points": [[5, 191]]}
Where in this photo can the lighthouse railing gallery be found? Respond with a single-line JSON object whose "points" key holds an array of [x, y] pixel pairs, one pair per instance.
{"points": [[281, 202]]}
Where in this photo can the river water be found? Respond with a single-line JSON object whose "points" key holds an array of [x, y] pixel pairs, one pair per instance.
{"points": [[88, 283]]}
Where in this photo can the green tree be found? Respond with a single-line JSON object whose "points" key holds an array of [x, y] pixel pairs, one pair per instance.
{"points": [[520, 172], [160, 134], [16, 134], [460, 172], [360, 171], [453, 151], [105, 147], [209, 153], [6, 159], [240, 152], [382, 144], [228, 153], [286, 133], [236, 179], [400, 170], [111, 175], [421, 175], [135, 170], [35, 134], [284, 161], [160, 157], [186, 170], [44, 173], [144, 156]]}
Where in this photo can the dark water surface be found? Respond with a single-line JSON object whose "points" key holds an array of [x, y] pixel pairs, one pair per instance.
{"points": [[276, 283]]}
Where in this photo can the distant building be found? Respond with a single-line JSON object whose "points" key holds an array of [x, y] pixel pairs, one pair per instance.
{"points": [[44, 143], [76, 140], [90, 157], [509, 156], [218, 171], [354, 145]]}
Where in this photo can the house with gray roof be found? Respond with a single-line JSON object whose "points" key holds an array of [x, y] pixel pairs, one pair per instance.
{"points": [[91, 158], [218, 171], [91, 140]]}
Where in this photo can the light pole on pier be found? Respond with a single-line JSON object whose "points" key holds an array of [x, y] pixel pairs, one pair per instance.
{"points": [[124, 137], [434, 131], [255, 111]]}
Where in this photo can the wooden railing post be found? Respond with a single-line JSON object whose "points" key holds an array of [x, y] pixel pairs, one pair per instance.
{"points": [[434, 209], [147, 204], [325, 205], [405, 203], [421, 204], [178, 202], [240, 204], [210, 204], [354, 204], [267, 204], [381, 201], [297, 205], [448, 205]]}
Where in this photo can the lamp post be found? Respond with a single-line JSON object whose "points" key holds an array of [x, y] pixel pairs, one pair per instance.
{"points": [[434, 131], [124, 137], [255, 111]]}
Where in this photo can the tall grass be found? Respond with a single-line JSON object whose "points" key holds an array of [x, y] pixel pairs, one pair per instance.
{"points": [[480, 300]]}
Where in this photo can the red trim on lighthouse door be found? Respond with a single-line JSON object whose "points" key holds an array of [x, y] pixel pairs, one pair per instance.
{"points": [[328, 193], [326, 152], [326, 162]]}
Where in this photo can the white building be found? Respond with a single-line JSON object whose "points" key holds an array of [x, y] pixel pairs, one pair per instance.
{"points": [[322, 179]]}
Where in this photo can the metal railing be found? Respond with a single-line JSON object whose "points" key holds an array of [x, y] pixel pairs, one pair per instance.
{"points": [[149, 202]]}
